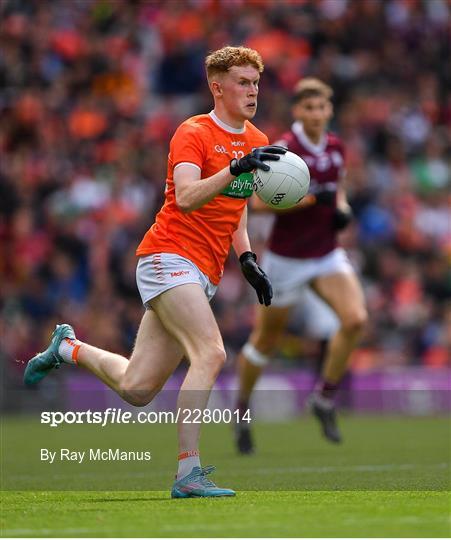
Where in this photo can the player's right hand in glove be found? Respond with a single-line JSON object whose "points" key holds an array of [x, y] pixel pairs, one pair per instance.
{"points": [[255, 159], [256, 277]]}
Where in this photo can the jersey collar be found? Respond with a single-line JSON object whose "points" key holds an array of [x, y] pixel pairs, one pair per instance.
{"points": [[225, 126], [298, 129]]}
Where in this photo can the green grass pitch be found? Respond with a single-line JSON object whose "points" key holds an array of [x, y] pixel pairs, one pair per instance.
{"points": [[389, 478]]}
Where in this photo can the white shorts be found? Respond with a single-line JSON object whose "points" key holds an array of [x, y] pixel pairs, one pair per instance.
{"points": [[160, 272], [290, 276], [315, 318]]}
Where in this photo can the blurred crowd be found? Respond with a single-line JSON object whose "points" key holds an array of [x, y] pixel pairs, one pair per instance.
{"points": [[91, 92]]}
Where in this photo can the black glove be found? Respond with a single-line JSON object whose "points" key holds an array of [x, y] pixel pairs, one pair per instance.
{"points": [[326, 197], [341, 219], [256, 277], [254, 160]]}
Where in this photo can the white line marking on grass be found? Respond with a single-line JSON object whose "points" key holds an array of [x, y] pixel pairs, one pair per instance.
{"points": [[218, 526], [5, 532], [387, 520], [349, 468], [265, 470]]}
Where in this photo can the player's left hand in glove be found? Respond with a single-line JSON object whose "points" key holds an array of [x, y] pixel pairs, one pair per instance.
{"points": [[342, 218], [256, 277], [324, 197]]}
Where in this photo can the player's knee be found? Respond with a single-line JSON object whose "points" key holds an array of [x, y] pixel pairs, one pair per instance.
{"points": [[136, 398], [355, 322], [265, 343], [211, 361], [218, 359]]}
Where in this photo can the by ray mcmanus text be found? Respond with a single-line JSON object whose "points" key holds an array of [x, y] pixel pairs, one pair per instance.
{"points": [[93, 454]]}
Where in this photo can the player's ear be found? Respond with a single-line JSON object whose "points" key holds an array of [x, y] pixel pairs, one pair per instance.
{"points": [[295, 107], [330, 109], [216, 88]]}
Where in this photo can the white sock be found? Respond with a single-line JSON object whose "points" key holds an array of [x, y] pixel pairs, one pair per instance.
{"points": [[68, 350], [187, 461]]}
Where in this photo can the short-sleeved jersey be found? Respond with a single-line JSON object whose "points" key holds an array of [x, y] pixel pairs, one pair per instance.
{"points": [[308, 232], [205, 235]]}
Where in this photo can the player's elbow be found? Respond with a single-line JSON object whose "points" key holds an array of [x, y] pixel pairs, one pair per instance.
{"points": [[184, 203], [182, 206]]}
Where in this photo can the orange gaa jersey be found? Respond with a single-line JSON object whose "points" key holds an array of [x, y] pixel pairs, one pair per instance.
{"points": [[204, 236]]}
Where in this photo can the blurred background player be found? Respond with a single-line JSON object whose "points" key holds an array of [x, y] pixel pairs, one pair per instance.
{"points": [[302, 252], [182, 259]]}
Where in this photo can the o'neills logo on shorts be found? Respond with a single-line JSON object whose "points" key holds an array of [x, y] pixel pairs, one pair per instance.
{"points": [[179, 273]]}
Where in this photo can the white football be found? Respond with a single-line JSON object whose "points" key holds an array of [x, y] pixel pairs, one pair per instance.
{"points": [[285, 184]]}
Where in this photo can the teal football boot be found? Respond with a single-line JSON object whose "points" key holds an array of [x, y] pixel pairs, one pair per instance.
{"points": [[41, 364], [196, 484]]}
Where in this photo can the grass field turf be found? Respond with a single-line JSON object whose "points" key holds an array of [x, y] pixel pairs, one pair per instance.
{"points": [[390, 478], [276, 513]]}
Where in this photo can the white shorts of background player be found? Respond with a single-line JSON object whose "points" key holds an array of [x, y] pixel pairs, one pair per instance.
{"points": [[290, 279]]}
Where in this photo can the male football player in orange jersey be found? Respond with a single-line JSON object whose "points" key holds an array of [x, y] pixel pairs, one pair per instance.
{"points": [[302, 252], [181, 260]]}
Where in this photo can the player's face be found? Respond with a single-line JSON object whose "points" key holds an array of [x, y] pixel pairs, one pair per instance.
{"points": [[314, 113], [239, 87]]}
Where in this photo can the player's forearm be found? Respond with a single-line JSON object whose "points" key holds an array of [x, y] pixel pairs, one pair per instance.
{"points": [[241, 242], [192, 195], [342, 200], [240, 239]]}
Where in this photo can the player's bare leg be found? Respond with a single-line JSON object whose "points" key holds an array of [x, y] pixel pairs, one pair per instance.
{"points": [[107, 366], [343, 293], [186, 314], [269, 326], [155, 356]]}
